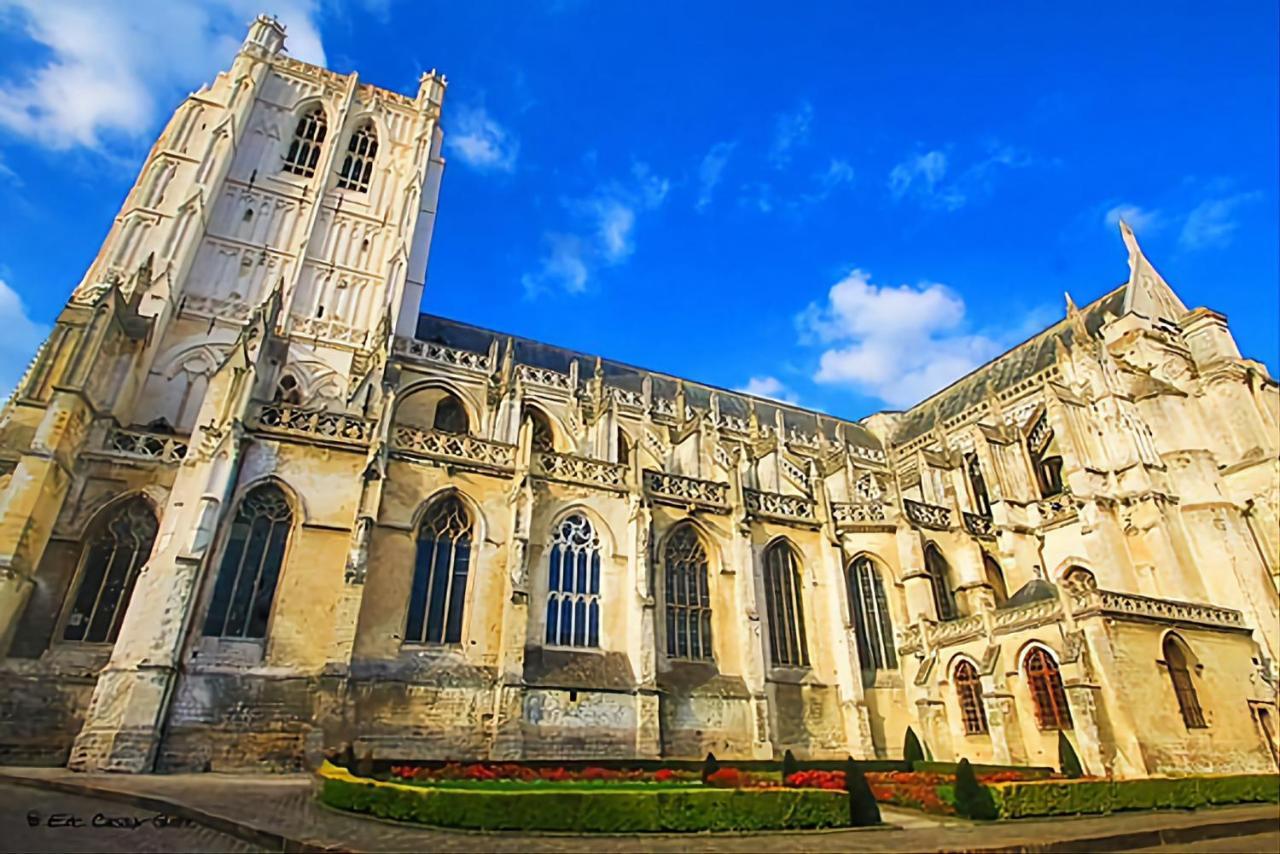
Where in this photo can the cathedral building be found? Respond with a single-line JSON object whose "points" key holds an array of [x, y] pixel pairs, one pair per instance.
{"points": [[254, 505]]}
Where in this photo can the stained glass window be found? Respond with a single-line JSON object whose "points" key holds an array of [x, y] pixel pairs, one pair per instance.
{"points": [[573, 585], [308, 138], [250, 568], [112, 559], [1045, 682], [357, 166], [969, 692], [787, 643], [688, 615], [872, 624], [440, 574]]}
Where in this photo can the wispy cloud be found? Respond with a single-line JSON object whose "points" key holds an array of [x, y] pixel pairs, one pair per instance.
{"points": [[1213, 222], [22, 336], [790, 131], [770, 387], [711, 170], [931, 179], [110, 65], [763, 197], [1139, 219], [601, 232], [479, 141]]}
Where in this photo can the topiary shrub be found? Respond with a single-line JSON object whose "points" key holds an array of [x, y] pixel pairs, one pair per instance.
{"points": [[1067, 759], [973, 800], [863, 809], [912, 751], [789, 765], [709, 766]]}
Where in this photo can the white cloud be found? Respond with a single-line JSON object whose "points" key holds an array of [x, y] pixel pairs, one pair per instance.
{"points": [[603, 233], [113, 67], [711, 170], [1139, 219], [899, 344], [475, 138], [22, 336], [770, 387], [790, 131], [924, 177], [1213, 222]]}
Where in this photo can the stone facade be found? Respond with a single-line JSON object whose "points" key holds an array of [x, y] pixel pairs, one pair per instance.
{"points": [[254, 505]]}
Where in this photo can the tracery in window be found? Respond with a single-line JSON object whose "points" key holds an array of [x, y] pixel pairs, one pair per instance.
{"points": [[1176, 660], [287, 391], [357, 166], [872, 624], [969, 693], [688, 615], [308, 139], [573, 585], [995, 578], [977, 483], [450, 416], [440, 574], [940, 578], [788, 646], [250, 567], [110, 563], [1045, 683]]}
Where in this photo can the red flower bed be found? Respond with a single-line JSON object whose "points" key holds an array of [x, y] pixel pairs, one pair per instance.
{"points": [[817, 780]]}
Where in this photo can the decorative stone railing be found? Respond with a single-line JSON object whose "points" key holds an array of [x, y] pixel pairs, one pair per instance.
{"points": [[857, 513], [775, 505], [1031, 614], [927, 515], [870, 454], [910, 640], [678, 489], [1113, 604], [544, 377], [453, 447], [312, 423], [428, 351], [327, 328], [624, 397], [160, 447], [572, 469], [798, 475], [956, 631], [1057, 509], [733, 423], [978, 525]]}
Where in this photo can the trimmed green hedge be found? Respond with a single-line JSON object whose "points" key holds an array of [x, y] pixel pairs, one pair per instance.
{"points": [[599, 811], [1036, 772], [1071, 797]]}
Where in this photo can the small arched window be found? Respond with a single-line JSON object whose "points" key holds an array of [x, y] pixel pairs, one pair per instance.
{"points": [[788, 646], [995, 578], [978, 484], [573, 585], [1176, 659], [111, 561], [688, 600], [969, 693], [872, 624], [357, 166], [287, 391], [1045, 684], [308, 139], [440, 574], [940, 578], [624, 449], [450, 416], [543, 438], [250, 567]]}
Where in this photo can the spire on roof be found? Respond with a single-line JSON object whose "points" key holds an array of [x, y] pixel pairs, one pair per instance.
{"points": [[1147, 293]]}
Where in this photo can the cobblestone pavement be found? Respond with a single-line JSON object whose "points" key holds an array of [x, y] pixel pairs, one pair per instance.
{"points": [[284, 805], [37, 820]]}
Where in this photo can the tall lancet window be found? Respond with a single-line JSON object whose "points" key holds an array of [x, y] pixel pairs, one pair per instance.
{"points": [[112, 558], [688, 600], [308, 139], [573, 585], [969, 693], [440, 574], [940, 577], [250, 567], [788, 646], [981, 500], [357, 166], [872, 623]]}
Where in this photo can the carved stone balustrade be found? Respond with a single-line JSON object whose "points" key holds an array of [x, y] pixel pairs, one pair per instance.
{"points": [[428, 351], [956, 631], [140, 445], [784, 508], [927, 515], [1088, 602], [624, 397], [685, 491], [544, 377], [312, 423], [1027, 616], [454, 447], [572, 469], [328, 329], [857, 513], [979, 526]]}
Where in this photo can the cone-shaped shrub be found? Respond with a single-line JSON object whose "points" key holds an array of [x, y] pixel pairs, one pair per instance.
{"points": [[709, 767], [1067, 759], [863, 809], [911, 749], [972, 798], [789, 765]]}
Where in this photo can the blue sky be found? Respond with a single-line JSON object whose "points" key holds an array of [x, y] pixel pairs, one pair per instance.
{"points": [[846, 205]]}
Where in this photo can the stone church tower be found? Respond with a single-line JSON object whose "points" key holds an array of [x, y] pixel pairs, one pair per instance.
{"points": [[253, 504]]}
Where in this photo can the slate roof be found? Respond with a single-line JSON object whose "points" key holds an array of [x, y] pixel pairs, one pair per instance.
{"points": [[463, 336]]}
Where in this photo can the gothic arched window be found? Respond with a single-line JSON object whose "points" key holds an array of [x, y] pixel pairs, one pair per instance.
{"points": [[450, 416], [1175, 658], [573, 585], [940, 578], [977, 483], [1045, 683], [624, 449], [362, 149], [308, 138], [543, 438], [250, 567], [688, 599], [1046, 461], [969, 692], [872, 624], [995, 577], [287, 391], [111, 560], [787, 644], [440, 574]]}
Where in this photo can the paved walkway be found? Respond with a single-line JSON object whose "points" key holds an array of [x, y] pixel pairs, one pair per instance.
{"points": [[279, 813]]}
